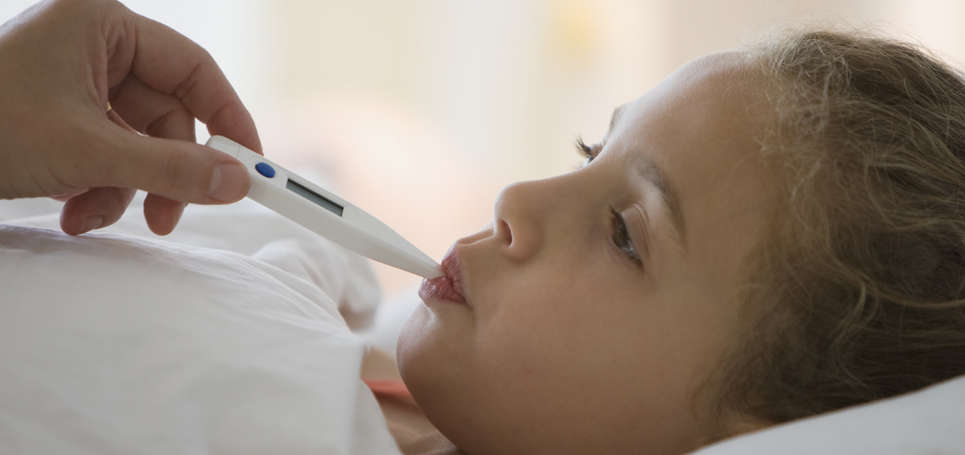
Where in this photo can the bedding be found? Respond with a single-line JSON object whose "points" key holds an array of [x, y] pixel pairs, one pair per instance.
{"points": [[232, 335], [925, 422]]}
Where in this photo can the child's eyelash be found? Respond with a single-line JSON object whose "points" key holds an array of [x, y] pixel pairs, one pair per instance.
{"points": [[588, 151], [621, 238]]}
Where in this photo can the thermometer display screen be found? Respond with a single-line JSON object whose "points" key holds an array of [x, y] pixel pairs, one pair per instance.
{"points": [[323, 201]]}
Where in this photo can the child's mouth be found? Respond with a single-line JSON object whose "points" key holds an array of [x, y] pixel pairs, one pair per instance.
{"points": [[448, 286]]}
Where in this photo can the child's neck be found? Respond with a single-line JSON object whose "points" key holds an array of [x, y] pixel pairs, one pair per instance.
{"points": [[412, 431]]}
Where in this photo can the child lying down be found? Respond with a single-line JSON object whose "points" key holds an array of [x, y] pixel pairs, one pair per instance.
{"points": [[769, 234]]}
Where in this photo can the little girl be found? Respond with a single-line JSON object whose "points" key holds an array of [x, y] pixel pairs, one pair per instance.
{"points": [[768, 234]]}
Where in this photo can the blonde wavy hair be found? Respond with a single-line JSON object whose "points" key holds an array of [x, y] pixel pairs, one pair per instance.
{"points": [[860, 294]]}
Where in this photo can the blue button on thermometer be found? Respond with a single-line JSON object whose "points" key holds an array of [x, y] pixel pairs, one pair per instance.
{"points": [[265, 169], [332, 217]]}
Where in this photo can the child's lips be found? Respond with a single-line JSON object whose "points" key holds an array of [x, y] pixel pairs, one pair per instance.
{"points": [[449, 285]]}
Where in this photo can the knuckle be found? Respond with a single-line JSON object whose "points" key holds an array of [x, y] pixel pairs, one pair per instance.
{"points": [[171, 174]]}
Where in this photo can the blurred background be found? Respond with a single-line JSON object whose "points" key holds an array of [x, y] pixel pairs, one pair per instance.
{"points": [[421, 111]]}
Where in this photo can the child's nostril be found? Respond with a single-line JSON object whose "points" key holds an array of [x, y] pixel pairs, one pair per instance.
{"points": [[504, 231]]}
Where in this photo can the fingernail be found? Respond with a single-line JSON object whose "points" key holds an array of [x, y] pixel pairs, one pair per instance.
{"points": [[93, 222], [227, 182]]}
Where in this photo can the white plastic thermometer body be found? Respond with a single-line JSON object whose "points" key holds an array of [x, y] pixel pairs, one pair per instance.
{"points": [[277, 188]]}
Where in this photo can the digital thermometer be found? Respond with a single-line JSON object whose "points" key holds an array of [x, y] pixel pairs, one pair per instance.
{"points": [[330, 216]]}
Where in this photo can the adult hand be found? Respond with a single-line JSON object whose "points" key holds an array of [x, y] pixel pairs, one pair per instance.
{"points": [[79, 80]]}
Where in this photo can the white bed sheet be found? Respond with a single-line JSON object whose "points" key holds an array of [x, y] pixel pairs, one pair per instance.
{"points": [[226, 337], [929, 421]]}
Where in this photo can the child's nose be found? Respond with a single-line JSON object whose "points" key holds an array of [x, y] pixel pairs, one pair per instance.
{"points": [[517, 219]]}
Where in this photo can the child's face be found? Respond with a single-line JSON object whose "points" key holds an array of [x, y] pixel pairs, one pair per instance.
{"points": [[567, 344]]}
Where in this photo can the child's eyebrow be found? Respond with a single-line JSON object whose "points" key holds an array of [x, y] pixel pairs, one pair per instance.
{"points": [[614, 117], [648, 169]]}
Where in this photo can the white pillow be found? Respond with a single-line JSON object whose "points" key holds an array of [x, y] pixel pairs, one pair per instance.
{"points": [[113, 343], [929, 421]]}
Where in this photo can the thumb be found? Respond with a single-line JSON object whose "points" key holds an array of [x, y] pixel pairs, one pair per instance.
{"points": [[178, 170]]}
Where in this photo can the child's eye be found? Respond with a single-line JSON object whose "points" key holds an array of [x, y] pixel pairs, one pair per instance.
{"points": [[621, 238], [588, 151]]}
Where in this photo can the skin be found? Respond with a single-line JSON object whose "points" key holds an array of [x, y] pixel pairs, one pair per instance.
{"points": [[568, 346], [65, 61]]}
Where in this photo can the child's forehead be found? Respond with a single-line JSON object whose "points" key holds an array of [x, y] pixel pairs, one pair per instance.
{"points": [[698, 96]]}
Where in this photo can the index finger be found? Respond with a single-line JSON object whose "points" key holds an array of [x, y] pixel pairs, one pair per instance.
{"points": [[169, 62]]}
